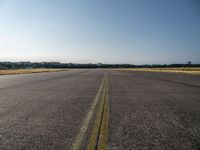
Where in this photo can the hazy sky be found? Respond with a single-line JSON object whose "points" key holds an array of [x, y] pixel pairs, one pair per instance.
{"points": [[107, 31]]}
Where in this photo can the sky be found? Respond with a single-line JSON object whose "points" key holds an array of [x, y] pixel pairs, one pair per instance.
{"points": [[106, 31]]}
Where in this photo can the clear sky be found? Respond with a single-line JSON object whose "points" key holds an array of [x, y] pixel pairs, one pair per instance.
{"points": [[106, 31]]}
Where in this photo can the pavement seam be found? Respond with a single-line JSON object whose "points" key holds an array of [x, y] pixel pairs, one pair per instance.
{"points": [[79, 138], [103, 135], [98, 137]]}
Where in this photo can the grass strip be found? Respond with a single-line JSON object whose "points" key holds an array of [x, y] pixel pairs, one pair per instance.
{"points": [[28, 71]]}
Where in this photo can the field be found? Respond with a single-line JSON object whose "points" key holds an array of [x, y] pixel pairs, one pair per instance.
{"points": [[27, 71], [190, 70]]}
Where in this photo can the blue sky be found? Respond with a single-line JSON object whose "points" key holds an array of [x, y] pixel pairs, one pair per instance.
{"points": [[107, 31]]}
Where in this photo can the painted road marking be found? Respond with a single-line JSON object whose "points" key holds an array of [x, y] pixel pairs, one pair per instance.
{"points": [[103, 135], [79, 138], [98, 137]]}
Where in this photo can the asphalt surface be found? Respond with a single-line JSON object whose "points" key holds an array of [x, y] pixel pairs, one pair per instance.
{"points": [[146, 110], [45, 111], [154, 111]]}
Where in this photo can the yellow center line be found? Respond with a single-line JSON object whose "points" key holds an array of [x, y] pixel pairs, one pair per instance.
{"points": [[79, 138], [102, 142], [98, 137]]}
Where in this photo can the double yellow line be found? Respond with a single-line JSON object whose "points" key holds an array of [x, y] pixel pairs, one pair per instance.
{"points": [[99, 133], [98, 138]]}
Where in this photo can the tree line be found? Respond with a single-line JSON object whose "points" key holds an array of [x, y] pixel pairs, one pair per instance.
{"points": [[26, 65]]}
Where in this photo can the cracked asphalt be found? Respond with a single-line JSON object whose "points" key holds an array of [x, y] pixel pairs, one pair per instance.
{"points": [[147, 110]]}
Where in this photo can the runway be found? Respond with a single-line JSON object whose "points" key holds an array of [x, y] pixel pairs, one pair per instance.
{"points": [[142, 110]]}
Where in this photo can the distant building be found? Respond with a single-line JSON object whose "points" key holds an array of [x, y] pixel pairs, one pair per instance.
{"points": [[189, 62], [99, 64]]}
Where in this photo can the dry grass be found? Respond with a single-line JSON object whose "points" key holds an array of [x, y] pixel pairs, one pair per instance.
{"points": [[190, 70], [28, 71]]}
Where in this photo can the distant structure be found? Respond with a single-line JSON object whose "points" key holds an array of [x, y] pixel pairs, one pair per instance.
{"points": [[99, 64], [189, 62]]}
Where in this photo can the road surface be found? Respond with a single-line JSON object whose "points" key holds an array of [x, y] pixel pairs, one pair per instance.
{"points": [[127, 109]]}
